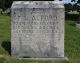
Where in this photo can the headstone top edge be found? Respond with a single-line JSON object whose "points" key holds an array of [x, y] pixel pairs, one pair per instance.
{"points": [[37, 4]]}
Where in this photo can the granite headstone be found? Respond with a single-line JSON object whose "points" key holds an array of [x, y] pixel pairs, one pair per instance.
{"points": [[37, 29]]}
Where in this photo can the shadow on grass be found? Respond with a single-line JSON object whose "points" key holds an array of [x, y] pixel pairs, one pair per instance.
{"points": [[73, 24], [73, 17], [7, 46]]}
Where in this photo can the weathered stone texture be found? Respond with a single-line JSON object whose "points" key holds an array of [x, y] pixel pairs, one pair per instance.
{"points": [[37, 29]]}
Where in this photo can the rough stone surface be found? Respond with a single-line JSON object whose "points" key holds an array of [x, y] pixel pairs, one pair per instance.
{"points": [[37, 29]]}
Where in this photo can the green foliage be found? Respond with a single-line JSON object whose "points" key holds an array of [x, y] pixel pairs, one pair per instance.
{"points": [[68, 7], [76, 7], [4, 4]]}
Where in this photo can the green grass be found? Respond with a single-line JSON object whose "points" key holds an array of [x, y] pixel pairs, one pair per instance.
{"points": [[4, 32], [72, 43]]}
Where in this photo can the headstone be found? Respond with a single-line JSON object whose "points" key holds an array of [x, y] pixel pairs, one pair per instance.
{"points": [[37, 29]]}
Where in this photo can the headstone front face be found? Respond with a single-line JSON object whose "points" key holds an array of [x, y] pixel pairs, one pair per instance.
{"points": [[37, 29]]}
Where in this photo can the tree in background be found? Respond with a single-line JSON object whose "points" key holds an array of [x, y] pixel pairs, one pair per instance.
{"points": [[68, 7], [4, 4], [77, 7]]}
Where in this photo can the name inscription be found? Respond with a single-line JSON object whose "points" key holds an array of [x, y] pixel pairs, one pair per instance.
{"points": [[35, 21]]}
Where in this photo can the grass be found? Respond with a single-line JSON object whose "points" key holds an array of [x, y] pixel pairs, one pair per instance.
{"points": [[72, 43], [4, 32]]}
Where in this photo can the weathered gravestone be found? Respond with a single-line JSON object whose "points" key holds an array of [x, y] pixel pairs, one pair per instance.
{"points": [[37, 29]]}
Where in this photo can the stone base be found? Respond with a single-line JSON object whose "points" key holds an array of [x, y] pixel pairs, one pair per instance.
{"points": [[77, 25], [62, 58]]}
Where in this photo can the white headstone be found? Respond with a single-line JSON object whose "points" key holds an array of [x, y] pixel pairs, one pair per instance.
{"points": [[37, 29]]}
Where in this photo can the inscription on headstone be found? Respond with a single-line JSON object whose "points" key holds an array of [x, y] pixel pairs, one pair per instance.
{"points": [[37, 29]]}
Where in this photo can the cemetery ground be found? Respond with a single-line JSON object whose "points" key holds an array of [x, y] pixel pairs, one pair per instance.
{"points": [[72, 42]]}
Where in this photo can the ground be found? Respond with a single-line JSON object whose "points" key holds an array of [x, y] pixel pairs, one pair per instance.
{"points": [[72, 42]]}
